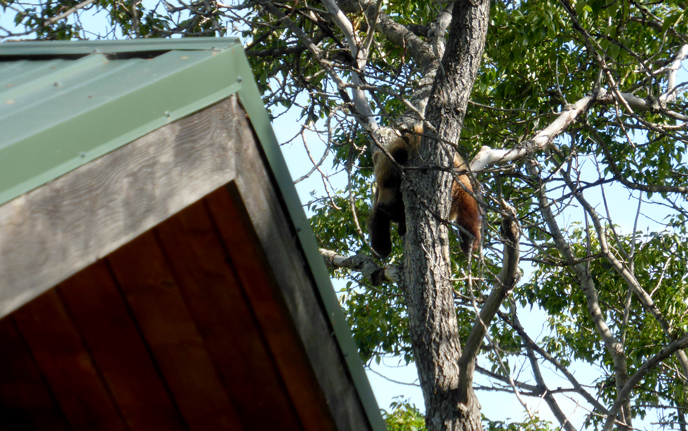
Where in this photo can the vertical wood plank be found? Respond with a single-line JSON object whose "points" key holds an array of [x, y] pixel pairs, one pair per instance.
{"points": [[226, 322], [99, 311], [239, 238], [154, 298], [25, 400], [67, 365], [255, 192]]}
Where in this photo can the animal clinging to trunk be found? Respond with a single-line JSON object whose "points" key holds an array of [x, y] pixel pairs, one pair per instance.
{"points": [[388, 205]]}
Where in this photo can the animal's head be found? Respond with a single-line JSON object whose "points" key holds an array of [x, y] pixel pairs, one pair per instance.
{"points": [[388, 174]]}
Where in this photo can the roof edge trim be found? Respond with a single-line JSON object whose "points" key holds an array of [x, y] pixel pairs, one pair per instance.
{"points": [[115, 46], [252, 101]]}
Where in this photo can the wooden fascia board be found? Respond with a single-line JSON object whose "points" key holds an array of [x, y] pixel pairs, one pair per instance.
{"points": [[52, 232], [254, 194], [252, 103]]}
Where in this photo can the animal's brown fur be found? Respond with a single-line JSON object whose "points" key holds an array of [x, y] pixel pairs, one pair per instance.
{"points": [[388, 205]]}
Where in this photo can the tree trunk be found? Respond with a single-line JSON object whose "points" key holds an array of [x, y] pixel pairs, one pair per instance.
{"points": [[427, 285]]}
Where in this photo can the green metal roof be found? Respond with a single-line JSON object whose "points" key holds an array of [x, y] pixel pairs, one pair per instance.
{"points": [[64, 104]]}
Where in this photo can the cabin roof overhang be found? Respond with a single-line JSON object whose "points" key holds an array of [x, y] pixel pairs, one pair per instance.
{"points": [[67, 109]]}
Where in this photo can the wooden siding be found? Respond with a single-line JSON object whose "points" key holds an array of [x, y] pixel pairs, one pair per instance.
{"points": [[161, 334]]}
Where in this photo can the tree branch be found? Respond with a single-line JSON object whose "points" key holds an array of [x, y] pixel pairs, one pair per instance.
{"points": [[546, 394], [70, 11], [426, 58], [670, 94], [587, 284], [392, 30], [530, 344], [365, 118], [653, 188], [487, 156], [364, 264], [360, 55], [625, 392], [505, 283], [622, 270]]}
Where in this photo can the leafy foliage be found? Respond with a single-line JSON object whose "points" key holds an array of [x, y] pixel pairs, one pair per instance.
{"points": [[534, 424], [404, 416]]}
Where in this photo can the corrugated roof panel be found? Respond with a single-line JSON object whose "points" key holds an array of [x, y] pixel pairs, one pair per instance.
{"points": [[70, 111], [31, 108], [16, 73], [33, 75]]}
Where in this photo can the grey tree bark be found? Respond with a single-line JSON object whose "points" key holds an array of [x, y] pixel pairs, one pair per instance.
{"points": [[426, 275]]}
